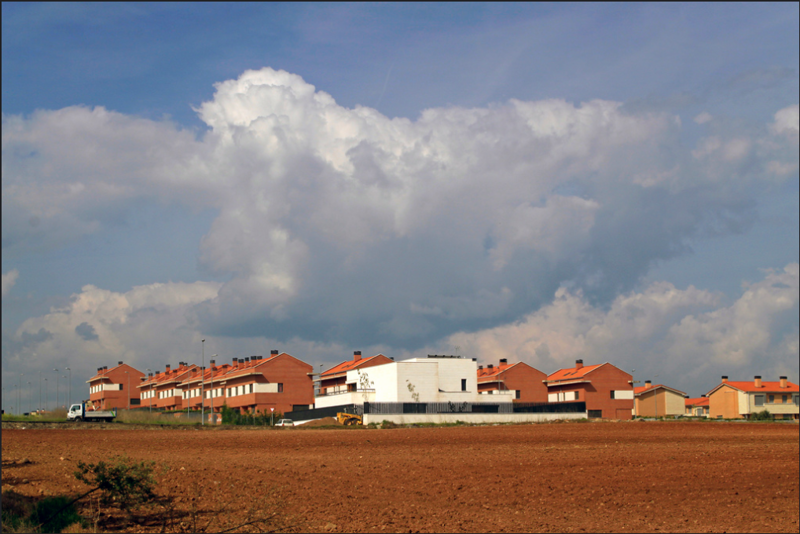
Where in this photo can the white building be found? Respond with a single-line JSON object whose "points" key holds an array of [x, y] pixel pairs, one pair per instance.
{"points": [[432, 379]]}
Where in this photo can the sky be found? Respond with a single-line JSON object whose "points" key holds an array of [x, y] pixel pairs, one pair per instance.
{"points": [[538, 182]]}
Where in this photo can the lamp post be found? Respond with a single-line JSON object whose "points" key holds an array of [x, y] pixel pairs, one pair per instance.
{"points": [[188, 391], [46, 395], [40, 391], [29, 398], [69, 398], [19, 387], [56, 370], [633, 390], [203, 383], [150, 393], [214, 361]]}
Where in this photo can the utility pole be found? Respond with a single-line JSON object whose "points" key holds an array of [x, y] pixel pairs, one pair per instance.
{"points": [[213, 363], [203, 384], [69, 400], [56, 370]]}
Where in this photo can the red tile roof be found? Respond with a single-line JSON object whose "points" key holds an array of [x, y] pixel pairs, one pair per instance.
{"points": [[102, 374], [247, 368], [572, 373], [766, 387], [173, 375], [487, 375], [699, 401], [641, 389], [349, 365]]}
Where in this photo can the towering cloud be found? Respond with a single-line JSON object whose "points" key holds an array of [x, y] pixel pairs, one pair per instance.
{"points": [[343, 225]]}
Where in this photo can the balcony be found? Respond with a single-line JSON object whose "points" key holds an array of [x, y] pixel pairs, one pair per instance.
{"points": [[336, 398]]}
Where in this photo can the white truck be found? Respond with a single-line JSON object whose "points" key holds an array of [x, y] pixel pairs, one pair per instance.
{"points": [[78, 412]]}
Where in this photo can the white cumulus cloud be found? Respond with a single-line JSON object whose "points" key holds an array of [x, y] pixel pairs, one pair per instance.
{"points": [[9, 279]]}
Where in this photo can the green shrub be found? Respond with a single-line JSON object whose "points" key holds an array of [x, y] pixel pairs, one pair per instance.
{"points": [[231, 416], [763, 415], [55, 513], [123, 483]]}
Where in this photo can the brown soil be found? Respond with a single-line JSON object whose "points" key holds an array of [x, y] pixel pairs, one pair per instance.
{"points": [[624, 477]]}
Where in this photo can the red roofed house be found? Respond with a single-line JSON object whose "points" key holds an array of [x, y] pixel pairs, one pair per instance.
{"points": [[658, 401], [334, 380], [257, 384], [606, 389], [524, 381], [697, 407], [194, 387], [115, 387], [163, 391], [737, 400]]}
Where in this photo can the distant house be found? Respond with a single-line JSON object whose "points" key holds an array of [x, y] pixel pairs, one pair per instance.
{"points": [[737, 400], [164, 391], [333, 382], [257, 384], [115, 387], [606, 389], [697, 407], [523, 382], [658, 401]]}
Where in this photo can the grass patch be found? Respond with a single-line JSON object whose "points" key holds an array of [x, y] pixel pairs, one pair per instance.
{"points": [[56, 416], [49, 514]]}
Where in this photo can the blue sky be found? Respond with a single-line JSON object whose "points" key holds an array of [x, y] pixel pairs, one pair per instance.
{"points": [[501, 180]]}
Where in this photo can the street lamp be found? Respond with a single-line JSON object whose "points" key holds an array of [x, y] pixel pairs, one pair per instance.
{"points": [[40, 391], [150, 393], [56, 370], [69, 399], [29, 397], [203, 383], [46, 394], [212, 387], [19, 387], [633, 388]]}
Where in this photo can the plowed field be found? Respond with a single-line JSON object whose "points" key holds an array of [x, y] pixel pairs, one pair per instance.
{"points": [[604, 476]]}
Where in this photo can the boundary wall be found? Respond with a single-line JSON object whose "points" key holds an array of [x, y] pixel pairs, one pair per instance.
{"points": [[466, 417]]}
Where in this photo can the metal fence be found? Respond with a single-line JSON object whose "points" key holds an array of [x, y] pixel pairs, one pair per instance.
{"points": [[319, 413], [390, 408]]}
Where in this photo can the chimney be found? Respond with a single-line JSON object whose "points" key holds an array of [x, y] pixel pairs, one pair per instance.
{"points": [[105, 368], [391, 358], [783, 382], [703, 395], [119, 363], [503, 361], [247, 360], [578, 364], [480, 367], [648, 384], [724, 379], [757, 381], [356, 355], [213, 365], [490, 366], [274, 352]]}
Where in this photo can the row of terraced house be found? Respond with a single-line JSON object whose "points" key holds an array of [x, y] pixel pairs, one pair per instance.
{"points": [[284, 384]]}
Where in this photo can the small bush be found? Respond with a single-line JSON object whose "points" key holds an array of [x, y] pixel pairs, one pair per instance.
{"points": [[122, 483], [763, 415], [231, 416]]}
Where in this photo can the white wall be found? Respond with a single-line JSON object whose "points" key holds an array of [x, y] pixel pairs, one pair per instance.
{"points": [[474, 418], [432, 379]]}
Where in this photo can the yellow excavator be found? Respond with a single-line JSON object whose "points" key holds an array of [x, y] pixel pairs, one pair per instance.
{"points": [[348, 419]]}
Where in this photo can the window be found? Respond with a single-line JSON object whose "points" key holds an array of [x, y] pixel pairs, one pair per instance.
{"points": [[577, 395], [463, 384], [772, 399], [612, 394], [784, 399], [251, 388], [796, 399], [595, 414], [120, 387], [759, 400], [517, 396], [280, 387]]}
